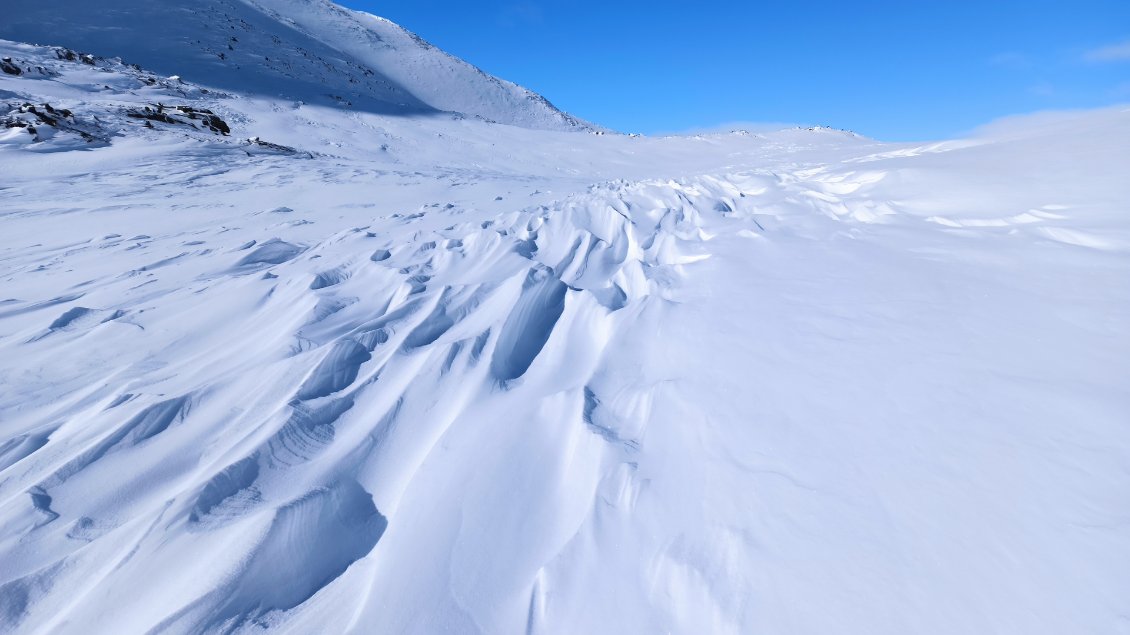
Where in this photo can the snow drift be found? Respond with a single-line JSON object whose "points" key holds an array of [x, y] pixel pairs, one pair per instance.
{"points": [[378, 370]]}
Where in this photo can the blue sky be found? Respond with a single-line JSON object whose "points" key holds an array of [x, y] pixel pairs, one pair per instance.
{"points": [[910, 70]]}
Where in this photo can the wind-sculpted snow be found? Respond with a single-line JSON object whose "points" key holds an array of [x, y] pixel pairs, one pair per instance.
{"points": [[236, 478], [270, 252], [336, 371], [482, 307], [494, 380], [146, 424], [529, 324], [275, 576]]}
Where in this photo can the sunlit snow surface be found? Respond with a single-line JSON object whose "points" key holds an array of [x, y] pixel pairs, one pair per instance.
{"points": [[430, 374]]}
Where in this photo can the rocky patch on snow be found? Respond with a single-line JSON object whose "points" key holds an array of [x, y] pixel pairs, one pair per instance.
{"points": [[181, 115], [39, 122]]}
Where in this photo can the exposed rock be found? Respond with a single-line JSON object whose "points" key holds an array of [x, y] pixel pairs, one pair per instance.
{"points": [[182, 115], [9, 67]]}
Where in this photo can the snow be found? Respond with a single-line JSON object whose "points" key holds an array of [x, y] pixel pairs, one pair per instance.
{"points": [[308, 50], [407, 371]]}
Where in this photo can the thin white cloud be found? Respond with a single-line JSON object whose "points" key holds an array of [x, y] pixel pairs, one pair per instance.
{"points": [[1113, 53]]}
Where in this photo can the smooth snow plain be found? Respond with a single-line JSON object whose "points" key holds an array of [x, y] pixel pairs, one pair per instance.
{"points": [[423, 372]]}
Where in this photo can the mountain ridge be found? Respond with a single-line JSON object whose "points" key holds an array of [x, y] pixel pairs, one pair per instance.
{"points": [[309, 50]]}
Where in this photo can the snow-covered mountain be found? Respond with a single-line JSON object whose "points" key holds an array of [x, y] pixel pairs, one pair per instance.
{"points": [[272, 361], [309, 50]]}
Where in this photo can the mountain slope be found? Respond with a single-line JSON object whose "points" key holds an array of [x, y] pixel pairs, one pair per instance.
{"points": [[310, 50], [436, 78]]}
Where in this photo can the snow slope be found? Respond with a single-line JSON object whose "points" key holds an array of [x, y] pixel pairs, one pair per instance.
{"points": [[309, 50], [374, 373]]}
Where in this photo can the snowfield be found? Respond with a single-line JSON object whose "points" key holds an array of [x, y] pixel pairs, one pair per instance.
{"points": [[400, 348]]}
